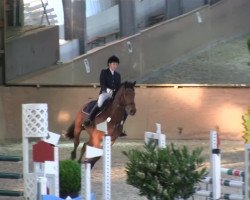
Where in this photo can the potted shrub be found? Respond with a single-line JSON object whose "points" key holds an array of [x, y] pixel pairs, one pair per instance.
{"points": [[69, 178], [168, 173], [248, 43]]}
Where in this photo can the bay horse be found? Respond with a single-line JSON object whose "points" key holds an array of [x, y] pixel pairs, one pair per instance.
{"points": [[122, 104]]}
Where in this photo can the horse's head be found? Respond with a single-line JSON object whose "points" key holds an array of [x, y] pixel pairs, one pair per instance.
{"points": [[127, 98]]}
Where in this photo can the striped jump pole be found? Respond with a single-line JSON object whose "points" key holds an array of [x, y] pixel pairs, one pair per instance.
{"points": [[10, 158], [233, 172], [224, 182], [233, 196], [206, 193], [11, 193], [10, 175]]}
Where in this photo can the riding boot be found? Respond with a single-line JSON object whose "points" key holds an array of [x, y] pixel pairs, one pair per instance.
{"points": [[91, 116]]}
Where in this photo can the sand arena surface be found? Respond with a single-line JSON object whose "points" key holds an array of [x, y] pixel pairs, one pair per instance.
{"points": [[232, 157]]}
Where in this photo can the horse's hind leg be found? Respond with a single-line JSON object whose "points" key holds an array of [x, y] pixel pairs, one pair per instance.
{"points": [[77, 132], [73, 153], [82, 152]]}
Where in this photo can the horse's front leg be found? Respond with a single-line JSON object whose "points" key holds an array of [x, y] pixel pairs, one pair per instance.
{"points": [[73, 153], [83, 150]]}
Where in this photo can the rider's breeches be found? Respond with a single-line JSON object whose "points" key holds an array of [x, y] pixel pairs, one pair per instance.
{"points": [[102, 97]]}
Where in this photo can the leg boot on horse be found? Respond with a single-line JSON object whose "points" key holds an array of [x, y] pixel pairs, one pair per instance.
{"points": [[122, 132]]}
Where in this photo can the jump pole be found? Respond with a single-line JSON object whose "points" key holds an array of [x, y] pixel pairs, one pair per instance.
{"points": [[225, 182]]}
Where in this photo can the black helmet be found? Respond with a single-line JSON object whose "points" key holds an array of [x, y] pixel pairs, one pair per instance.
{"points": [[113, 59]]}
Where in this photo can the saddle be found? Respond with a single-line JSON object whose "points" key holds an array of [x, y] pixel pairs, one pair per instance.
{"points": [[89, 106]]}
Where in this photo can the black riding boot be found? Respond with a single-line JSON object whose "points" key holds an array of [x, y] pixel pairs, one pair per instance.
{"points": [[92, 115]]}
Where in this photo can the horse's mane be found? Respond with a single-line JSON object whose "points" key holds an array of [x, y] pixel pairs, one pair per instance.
{"points": [[127, 84]]}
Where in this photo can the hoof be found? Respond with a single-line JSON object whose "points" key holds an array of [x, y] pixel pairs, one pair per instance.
{"points": [[123, 134]]}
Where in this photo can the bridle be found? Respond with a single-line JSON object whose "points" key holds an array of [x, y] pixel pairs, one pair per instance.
{"points": [[122, 99]]}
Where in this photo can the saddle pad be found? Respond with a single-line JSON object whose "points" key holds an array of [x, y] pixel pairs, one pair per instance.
{"points": [[88, 107]]}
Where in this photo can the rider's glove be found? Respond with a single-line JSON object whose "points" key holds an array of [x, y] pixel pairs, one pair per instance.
{"points": [[109, 91]]}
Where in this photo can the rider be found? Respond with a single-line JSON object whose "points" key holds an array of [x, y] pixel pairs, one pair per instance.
{"points": [[110, 81]]}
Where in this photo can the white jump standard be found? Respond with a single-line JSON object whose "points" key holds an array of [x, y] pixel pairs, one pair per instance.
{"points": [[216, 172], [161, 138], [92, 152]]}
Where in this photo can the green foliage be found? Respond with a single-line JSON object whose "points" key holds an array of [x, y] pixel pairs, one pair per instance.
{"points": [[70, 177], [248, 43], [166, 173]]}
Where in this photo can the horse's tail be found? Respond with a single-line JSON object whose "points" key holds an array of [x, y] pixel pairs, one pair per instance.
{"points": [[70, 131]]}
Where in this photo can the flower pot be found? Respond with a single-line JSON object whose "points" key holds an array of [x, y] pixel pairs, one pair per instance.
{"points": [[64, 196]]}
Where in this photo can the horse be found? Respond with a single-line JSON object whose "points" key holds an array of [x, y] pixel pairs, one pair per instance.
{"points": [[121, 105]]}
